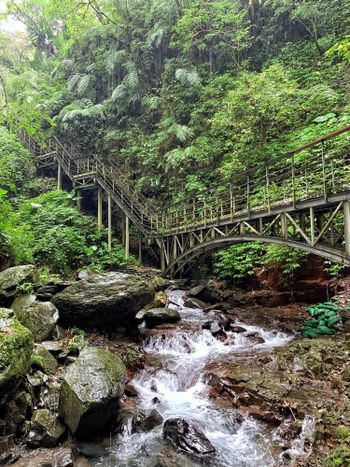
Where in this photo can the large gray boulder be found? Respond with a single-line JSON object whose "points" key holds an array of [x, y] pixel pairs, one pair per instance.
{"points": [[11, 280], [107, 301], [16, 345], [39, 317], [90, 392]]}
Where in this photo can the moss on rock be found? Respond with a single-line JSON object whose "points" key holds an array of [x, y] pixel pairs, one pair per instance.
{"points": [[16, 345], [90, 391]]}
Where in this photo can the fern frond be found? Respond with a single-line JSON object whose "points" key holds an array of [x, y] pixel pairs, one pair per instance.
{"points": [[188, 77], [83, 84], [73, 80], [182, 132], [119, 92], [132, 80], [114, 58]]}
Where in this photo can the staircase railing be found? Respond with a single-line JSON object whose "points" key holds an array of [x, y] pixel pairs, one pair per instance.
{"points": [[315, 170]]}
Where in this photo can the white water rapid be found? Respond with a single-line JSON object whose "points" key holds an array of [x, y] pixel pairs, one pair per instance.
{"points": [[173, 383]]}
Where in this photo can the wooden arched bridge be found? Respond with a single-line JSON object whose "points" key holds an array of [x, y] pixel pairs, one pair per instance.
{"points": [[300, 199]]}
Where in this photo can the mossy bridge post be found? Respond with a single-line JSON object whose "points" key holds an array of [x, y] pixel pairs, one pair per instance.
{"points": [[300, 199]]}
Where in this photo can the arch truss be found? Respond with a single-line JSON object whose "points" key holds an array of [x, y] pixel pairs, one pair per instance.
{"points": [[318, 226]]}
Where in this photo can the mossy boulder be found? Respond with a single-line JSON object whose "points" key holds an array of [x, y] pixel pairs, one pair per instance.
{"points": [[107, 301], [11, 281], [44, 360], [90, 392], [46, 429], [16, 345], [39, 317], [157, 316]]}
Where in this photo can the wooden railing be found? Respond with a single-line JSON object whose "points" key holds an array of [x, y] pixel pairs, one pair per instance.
{"points": [[318, 169]]}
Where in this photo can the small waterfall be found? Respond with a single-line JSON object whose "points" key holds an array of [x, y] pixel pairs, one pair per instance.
{"points": [[301, 447]]}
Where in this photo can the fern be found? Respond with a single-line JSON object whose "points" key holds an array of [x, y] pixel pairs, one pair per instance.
{"points": [[132, 80], [119, 92], [157, 37], [182, 132], [73, 80], [83, 84], [188, 77], [114, 58], [152, 102]]}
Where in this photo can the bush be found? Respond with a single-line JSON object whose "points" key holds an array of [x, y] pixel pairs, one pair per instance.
{"points": [[237, 262]]}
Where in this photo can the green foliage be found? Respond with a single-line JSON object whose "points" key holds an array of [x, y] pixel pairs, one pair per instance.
{"points": [[236, 263], [26, 288], [77, 342], [286, 259], [37, 361], [182, 94], [340, 457], [16, 164]]}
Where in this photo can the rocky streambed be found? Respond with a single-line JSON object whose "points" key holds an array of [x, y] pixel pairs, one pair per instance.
{"points": [[187, 377]]}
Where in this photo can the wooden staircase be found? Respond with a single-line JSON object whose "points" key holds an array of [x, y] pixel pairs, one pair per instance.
{"points": [[91, 171]]}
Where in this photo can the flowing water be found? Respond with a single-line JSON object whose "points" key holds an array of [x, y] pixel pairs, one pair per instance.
{"points": [[174, 384]]}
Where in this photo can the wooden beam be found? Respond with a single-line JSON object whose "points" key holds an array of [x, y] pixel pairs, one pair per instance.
{"points": [[127, 237], [109, 215], [59, 178], [346, 207], [99, 207]]}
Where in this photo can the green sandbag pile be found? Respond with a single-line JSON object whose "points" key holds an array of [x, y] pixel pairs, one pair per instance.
{"points": [[325, 318]]}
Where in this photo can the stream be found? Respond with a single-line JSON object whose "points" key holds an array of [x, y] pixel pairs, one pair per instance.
{"points": [[173, 382]]}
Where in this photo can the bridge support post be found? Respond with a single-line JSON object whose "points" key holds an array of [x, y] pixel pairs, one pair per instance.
{"points": [[79, 200], [99, 208], [59, 178], [127, 237], [109, 216], [346, 208], [312, 225], [162, 257], [140, 247], [284, 226]]}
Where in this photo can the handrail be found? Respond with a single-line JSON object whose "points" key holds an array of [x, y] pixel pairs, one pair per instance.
{"points": [[281, 182]]}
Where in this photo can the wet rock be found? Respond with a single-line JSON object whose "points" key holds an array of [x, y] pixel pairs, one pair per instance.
{"points": [[16, 345], [90, 391], [237, 329], [37, 379], [44, 360], [187, 437], [160, 301], [15, 412], [255, 338], [53, 347], [158, 283], [214, 327], [157, 316], [39, 317], [194, 303], [131, 391], [11, 280], [107, 301], [205, 293], [145, 421], [91, 449], [63, 457], [47, 457], [46, 429]]}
